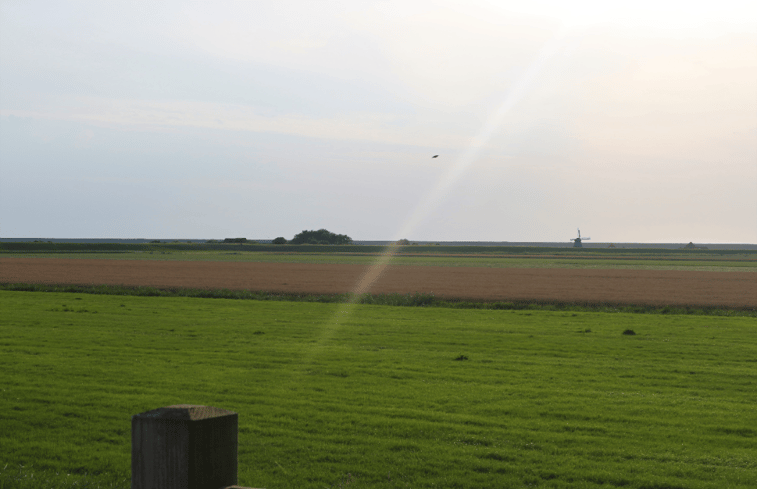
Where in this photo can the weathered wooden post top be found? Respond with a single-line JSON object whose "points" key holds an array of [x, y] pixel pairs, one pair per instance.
{"points": [[184, 447]]}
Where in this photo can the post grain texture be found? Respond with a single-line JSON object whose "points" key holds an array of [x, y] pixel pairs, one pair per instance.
{"points": [[184, 447]]}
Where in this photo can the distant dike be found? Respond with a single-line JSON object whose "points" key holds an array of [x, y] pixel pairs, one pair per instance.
{"points": [[568, 244]]}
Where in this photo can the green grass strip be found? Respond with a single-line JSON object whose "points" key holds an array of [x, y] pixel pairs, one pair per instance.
{"points": [[39, 246], [403, 300]]}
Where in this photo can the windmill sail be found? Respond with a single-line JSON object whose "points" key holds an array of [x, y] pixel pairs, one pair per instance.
{"points": [[577, 241]]}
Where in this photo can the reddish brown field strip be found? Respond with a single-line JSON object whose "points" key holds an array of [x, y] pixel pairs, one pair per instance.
{"points": [[654, 287]]}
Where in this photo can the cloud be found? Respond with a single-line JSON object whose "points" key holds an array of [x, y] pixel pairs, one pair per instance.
{"points": [[146, 114]]}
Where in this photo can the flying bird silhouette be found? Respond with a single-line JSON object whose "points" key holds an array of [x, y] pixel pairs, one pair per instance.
{"points": [[435, 156]]}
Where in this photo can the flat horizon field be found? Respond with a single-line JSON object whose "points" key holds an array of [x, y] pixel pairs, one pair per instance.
{"points": [[339, 395], [721, 264], [444, 256]]}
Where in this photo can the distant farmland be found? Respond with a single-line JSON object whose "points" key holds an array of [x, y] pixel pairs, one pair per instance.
{"points": [[638, 287], [721, 278]]}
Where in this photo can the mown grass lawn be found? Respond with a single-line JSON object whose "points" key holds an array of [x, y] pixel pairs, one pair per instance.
{"points": [[332, 395]]}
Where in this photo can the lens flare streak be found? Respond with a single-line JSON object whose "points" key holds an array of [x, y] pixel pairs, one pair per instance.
{"points": [[446, 181]]}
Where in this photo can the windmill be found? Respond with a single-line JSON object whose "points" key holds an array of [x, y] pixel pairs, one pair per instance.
{"points": [[577, 241]]}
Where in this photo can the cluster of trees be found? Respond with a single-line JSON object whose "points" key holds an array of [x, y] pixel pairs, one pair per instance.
{"points": [[322, 236]]}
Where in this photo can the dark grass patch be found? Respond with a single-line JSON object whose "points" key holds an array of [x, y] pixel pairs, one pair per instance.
{"points": [[31, 477]]}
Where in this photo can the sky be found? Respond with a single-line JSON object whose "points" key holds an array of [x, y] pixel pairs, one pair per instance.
{"points": [[635, 121]]}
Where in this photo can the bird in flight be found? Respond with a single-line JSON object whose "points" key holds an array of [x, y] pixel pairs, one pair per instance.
{"points": [[435, 156]]}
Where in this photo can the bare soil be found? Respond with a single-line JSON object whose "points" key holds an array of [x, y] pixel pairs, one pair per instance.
{"points": [[653, 287]]}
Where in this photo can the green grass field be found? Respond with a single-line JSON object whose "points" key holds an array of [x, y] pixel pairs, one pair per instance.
{"points": [[333, 395]]}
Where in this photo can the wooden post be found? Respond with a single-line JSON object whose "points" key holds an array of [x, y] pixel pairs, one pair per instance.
{"points": [[184, 447]]}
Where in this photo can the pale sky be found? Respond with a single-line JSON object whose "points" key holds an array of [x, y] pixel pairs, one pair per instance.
{"points": [[635, 121]]}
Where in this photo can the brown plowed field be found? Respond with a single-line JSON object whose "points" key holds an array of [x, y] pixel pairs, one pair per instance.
{"points": [[658, 287]]}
